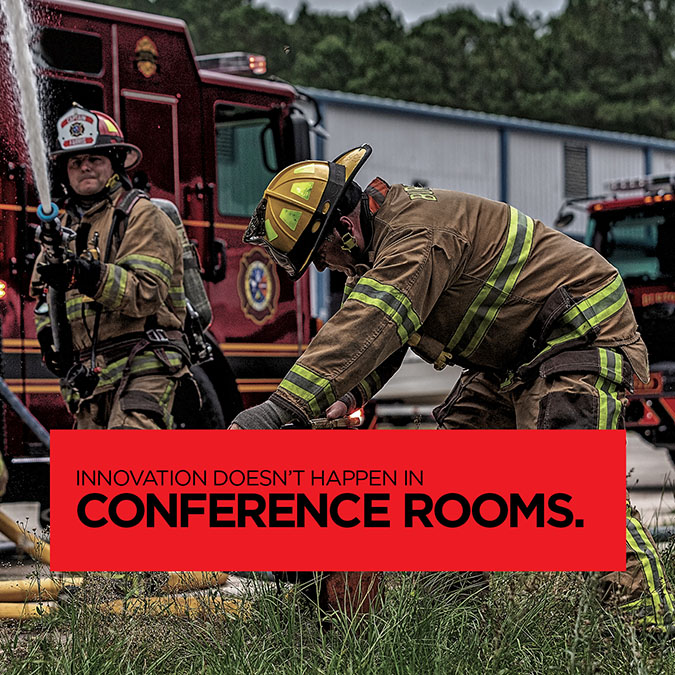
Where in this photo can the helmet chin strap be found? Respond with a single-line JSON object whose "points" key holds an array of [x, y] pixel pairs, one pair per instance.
{"points": [[112, 181], [348, 243], [88, 201]]}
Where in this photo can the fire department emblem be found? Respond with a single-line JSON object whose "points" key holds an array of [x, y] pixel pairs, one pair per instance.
{"points": [[77, 128], [146, 54], [258, 286]]}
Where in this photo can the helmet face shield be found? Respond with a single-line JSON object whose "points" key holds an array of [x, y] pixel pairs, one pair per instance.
{"points": [[284, 262], [256, 234]]}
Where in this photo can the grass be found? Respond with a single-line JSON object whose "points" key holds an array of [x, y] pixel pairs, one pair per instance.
{"points": [[527, 623]]}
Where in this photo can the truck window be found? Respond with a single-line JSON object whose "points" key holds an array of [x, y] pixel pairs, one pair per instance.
{"points": [[242, 146], [156, 139], [638, 245], [70, 51]]}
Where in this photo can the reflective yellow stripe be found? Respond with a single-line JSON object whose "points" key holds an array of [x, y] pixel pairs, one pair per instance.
{"points": [[147, 263], [390, 301], [652, 568], [483, 311], [114, 287], [608, 384], [315, 390]]}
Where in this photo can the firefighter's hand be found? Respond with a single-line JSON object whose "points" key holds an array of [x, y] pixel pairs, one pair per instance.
{"points": [[337, 410], [344, 406], [267, 415], [60, 275], [88, 276], [4, 477]]}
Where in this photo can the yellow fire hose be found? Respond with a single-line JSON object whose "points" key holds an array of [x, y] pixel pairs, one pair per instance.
{"points": [[17, 598], [44, 588], [192, 581], [27, 610], [177, 605]]}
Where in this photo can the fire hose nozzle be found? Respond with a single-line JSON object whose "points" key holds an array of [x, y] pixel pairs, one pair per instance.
{"points": [[50, 215]]}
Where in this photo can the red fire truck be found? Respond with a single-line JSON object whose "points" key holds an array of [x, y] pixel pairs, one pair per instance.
{"points": [[634, 228], [211, 142]]}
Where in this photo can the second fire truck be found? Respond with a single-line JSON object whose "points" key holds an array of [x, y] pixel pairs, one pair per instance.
{"points": [[634, 228]]}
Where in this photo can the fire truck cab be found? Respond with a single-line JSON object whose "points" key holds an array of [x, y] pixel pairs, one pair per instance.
{"points": [[634, 228], [211, 142]]}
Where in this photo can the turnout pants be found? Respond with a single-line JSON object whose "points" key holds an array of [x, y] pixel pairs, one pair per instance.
{"points": [[569, 400], [144, 402]]}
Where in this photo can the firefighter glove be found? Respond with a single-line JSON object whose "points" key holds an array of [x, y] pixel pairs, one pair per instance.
{"points": [[88, 275], [58, 275], [267, 415]]}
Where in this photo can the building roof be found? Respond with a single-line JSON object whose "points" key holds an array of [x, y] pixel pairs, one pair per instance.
{"points": [[485, 119]]}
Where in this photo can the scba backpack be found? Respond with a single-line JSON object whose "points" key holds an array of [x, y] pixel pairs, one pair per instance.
{"points": [[199, 314]]}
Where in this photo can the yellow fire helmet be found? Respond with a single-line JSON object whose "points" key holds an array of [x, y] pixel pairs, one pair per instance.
{"points": [[295, 213]]}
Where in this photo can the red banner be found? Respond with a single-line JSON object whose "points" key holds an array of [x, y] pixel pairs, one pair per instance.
{"points": [[338, 500]]}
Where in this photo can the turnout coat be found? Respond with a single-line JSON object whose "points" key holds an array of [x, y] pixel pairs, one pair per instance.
{"points": [[140, 287], [465, 280]]}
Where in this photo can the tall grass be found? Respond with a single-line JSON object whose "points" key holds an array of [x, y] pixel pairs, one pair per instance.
{"points": [[526, 623]]}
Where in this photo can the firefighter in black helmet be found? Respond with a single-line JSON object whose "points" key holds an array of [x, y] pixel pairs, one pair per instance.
{"points": [[123, 284]]}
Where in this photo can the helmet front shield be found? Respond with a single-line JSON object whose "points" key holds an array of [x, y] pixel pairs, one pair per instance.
{"points": [[82, 131]]}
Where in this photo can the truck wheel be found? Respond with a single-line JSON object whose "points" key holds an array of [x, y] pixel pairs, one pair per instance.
{"points": [[186, 410]]}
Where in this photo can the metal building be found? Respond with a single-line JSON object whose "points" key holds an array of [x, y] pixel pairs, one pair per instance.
{"points": [[533, 165]]}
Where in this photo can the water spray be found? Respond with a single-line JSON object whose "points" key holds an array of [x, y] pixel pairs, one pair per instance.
{"points": [[18, 33]]}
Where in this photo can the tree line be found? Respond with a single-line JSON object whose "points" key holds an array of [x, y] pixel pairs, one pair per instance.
{"points": [[606, 64]]}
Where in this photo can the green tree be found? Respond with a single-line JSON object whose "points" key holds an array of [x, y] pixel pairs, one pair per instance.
{"points": [[599, 63]]}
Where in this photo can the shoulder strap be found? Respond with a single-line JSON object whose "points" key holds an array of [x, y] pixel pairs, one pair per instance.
{"points": [[123, 210]]}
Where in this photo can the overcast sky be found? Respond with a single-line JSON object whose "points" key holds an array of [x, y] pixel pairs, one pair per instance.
{"points": [[414, 10]]}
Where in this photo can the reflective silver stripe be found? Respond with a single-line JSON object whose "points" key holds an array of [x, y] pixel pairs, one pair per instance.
{"points": [[177, 297], [41, 320], [371, 385], [345, 294], [144, 363], [114, 287], [74, 308], [652, 568], [608, 383], [590, 311], [586, 315]]}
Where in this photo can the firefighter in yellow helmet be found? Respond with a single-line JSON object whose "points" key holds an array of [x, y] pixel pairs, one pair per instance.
{"points": [[541, 323], [302, 205], [121, 280]]}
